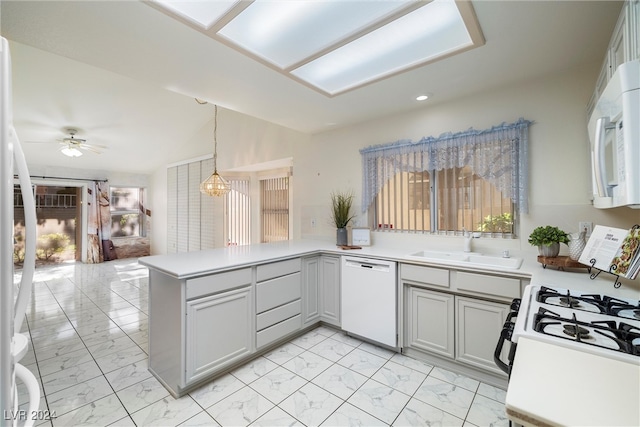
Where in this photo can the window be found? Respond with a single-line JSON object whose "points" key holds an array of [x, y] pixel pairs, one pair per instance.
{"points": [[463, 200], [274, 207], [472, 180], [126, 217], [238, 213]]}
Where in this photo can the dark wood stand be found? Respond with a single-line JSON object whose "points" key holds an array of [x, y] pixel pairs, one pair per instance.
{"points": [[561, 262]]}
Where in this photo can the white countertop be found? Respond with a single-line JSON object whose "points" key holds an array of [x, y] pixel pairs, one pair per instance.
{"points": [[554, 385], [547, 381], [192, 264]]}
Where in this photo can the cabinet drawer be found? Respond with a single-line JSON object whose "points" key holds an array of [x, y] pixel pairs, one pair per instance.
{"points": [[275, 292], [277, 269], [218, 282], [278, 330], [503, 287], [278, 314], [428, 275]]}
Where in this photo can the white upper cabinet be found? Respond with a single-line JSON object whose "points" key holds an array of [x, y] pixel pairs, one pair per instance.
{"points": [[633, 14], [624, 46]]}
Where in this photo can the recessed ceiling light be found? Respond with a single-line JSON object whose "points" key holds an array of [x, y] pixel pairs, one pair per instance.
{"points": [[422, 97]]}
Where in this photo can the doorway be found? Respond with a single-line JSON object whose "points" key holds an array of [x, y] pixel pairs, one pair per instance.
{"points": [[59, 230]]}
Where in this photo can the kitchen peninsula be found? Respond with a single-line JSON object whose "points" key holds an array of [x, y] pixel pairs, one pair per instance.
{"points": [[210, 311]]}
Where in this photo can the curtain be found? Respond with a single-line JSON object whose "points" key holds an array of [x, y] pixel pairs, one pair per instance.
{"points": [[498, 155], [99, 245]]}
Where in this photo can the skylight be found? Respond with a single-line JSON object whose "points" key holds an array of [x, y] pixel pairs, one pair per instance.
{"points": [[335, 46]]}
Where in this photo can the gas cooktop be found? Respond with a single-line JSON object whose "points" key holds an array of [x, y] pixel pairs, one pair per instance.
{"points": [[595, 323]]}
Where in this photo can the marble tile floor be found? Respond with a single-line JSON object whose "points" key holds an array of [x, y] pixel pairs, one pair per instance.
{"points": [[88, 328]]}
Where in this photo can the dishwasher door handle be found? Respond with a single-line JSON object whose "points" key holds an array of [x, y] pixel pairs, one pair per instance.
{"points": [[369, 266]]}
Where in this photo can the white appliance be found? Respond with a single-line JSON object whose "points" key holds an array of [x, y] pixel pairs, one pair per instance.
{"points": [[614, 132], [593, 323], [368, 299], [571, 350], [13, 345]]}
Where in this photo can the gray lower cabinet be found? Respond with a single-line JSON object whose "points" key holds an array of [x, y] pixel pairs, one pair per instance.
{"points": [[310, 290], [478, 326], [431, 321], [219, 331], [278, 301], [199, 326], [329, 289], [457, 314]]}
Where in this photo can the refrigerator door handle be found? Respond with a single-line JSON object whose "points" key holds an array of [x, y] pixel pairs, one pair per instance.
{"points": [[29, 380], [30, 222]]}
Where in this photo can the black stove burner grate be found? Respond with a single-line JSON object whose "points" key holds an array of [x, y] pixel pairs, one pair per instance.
{"points": [[620, 333], [604, 304]]}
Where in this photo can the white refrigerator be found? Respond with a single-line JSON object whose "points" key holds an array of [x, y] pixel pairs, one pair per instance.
{"points": [[14, 300]]}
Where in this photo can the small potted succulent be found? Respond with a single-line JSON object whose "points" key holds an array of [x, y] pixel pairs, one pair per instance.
{"points": [[548, 239], [341, 215]]}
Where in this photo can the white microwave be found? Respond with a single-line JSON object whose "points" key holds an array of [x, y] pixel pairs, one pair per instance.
{"points": [[614, 133]]}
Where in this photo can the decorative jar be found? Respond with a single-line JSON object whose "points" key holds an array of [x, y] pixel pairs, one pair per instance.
{"points": [[577, 242]]}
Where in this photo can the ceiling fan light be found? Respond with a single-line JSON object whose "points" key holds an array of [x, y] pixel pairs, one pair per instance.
{"points": [[71, 152], [215, 185]]}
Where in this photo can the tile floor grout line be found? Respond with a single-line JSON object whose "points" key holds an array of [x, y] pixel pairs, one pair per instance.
{"points": [[100, 275], [92, 356], [44, 392]]}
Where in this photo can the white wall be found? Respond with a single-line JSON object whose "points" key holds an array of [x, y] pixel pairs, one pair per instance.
{"points": [[242, 140], [330, 161], [559, 158]]}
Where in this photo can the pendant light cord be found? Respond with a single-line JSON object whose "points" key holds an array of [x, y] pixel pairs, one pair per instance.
{"points": [[215, 139]]}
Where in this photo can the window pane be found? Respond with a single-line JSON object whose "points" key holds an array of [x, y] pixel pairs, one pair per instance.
{"points": [[123, 225], [405, 203], [274, 201], [466, 201], [124, 199], [238, 213]]}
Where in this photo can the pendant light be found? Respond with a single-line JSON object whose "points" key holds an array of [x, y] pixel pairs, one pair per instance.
{"points": [[215, 185]]}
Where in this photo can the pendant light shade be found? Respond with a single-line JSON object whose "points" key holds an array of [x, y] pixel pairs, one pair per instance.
{"points": [[215, 185]]}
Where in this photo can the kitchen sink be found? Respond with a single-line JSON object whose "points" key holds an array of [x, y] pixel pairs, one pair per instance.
{"points": [[495, 261], [442, 255], [467, 259]]}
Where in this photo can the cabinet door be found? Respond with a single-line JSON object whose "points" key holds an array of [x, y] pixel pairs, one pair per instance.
{"points": [[478, 326], [218, 331], [330, 289], [618, 50], [430, 321], [634, 29], [310, 291]]}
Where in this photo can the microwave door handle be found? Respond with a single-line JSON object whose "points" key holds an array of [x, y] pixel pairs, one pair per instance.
{"points": [[602, 124]]}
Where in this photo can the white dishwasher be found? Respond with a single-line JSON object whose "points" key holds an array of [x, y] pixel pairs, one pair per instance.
{"points": [[369, 299]]}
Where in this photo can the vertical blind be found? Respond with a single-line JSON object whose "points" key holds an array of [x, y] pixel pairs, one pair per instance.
{"points": [[193, 219], [274, 204]]}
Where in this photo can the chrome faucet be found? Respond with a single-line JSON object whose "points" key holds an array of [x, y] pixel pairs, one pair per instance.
{"points": [[467, 239]]}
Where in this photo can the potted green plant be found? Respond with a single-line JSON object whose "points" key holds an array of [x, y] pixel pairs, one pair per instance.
{"points": [[341, 215], [548, 239]]}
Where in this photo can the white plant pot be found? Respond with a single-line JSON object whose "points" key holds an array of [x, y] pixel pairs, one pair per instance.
{"points": [[549, 251]]}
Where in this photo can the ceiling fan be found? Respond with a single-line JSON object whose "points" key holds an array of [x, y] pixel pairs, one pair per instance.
{"points": [[72, 146]]}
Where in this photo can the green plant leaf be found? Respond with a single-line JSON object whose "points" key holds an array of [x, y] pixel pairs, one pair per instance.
{"points": [[341, 204]]}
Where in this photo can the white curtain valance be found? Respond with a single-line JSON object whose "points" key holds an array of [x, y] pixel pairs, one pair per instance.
{"points": [[498, 155]]}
